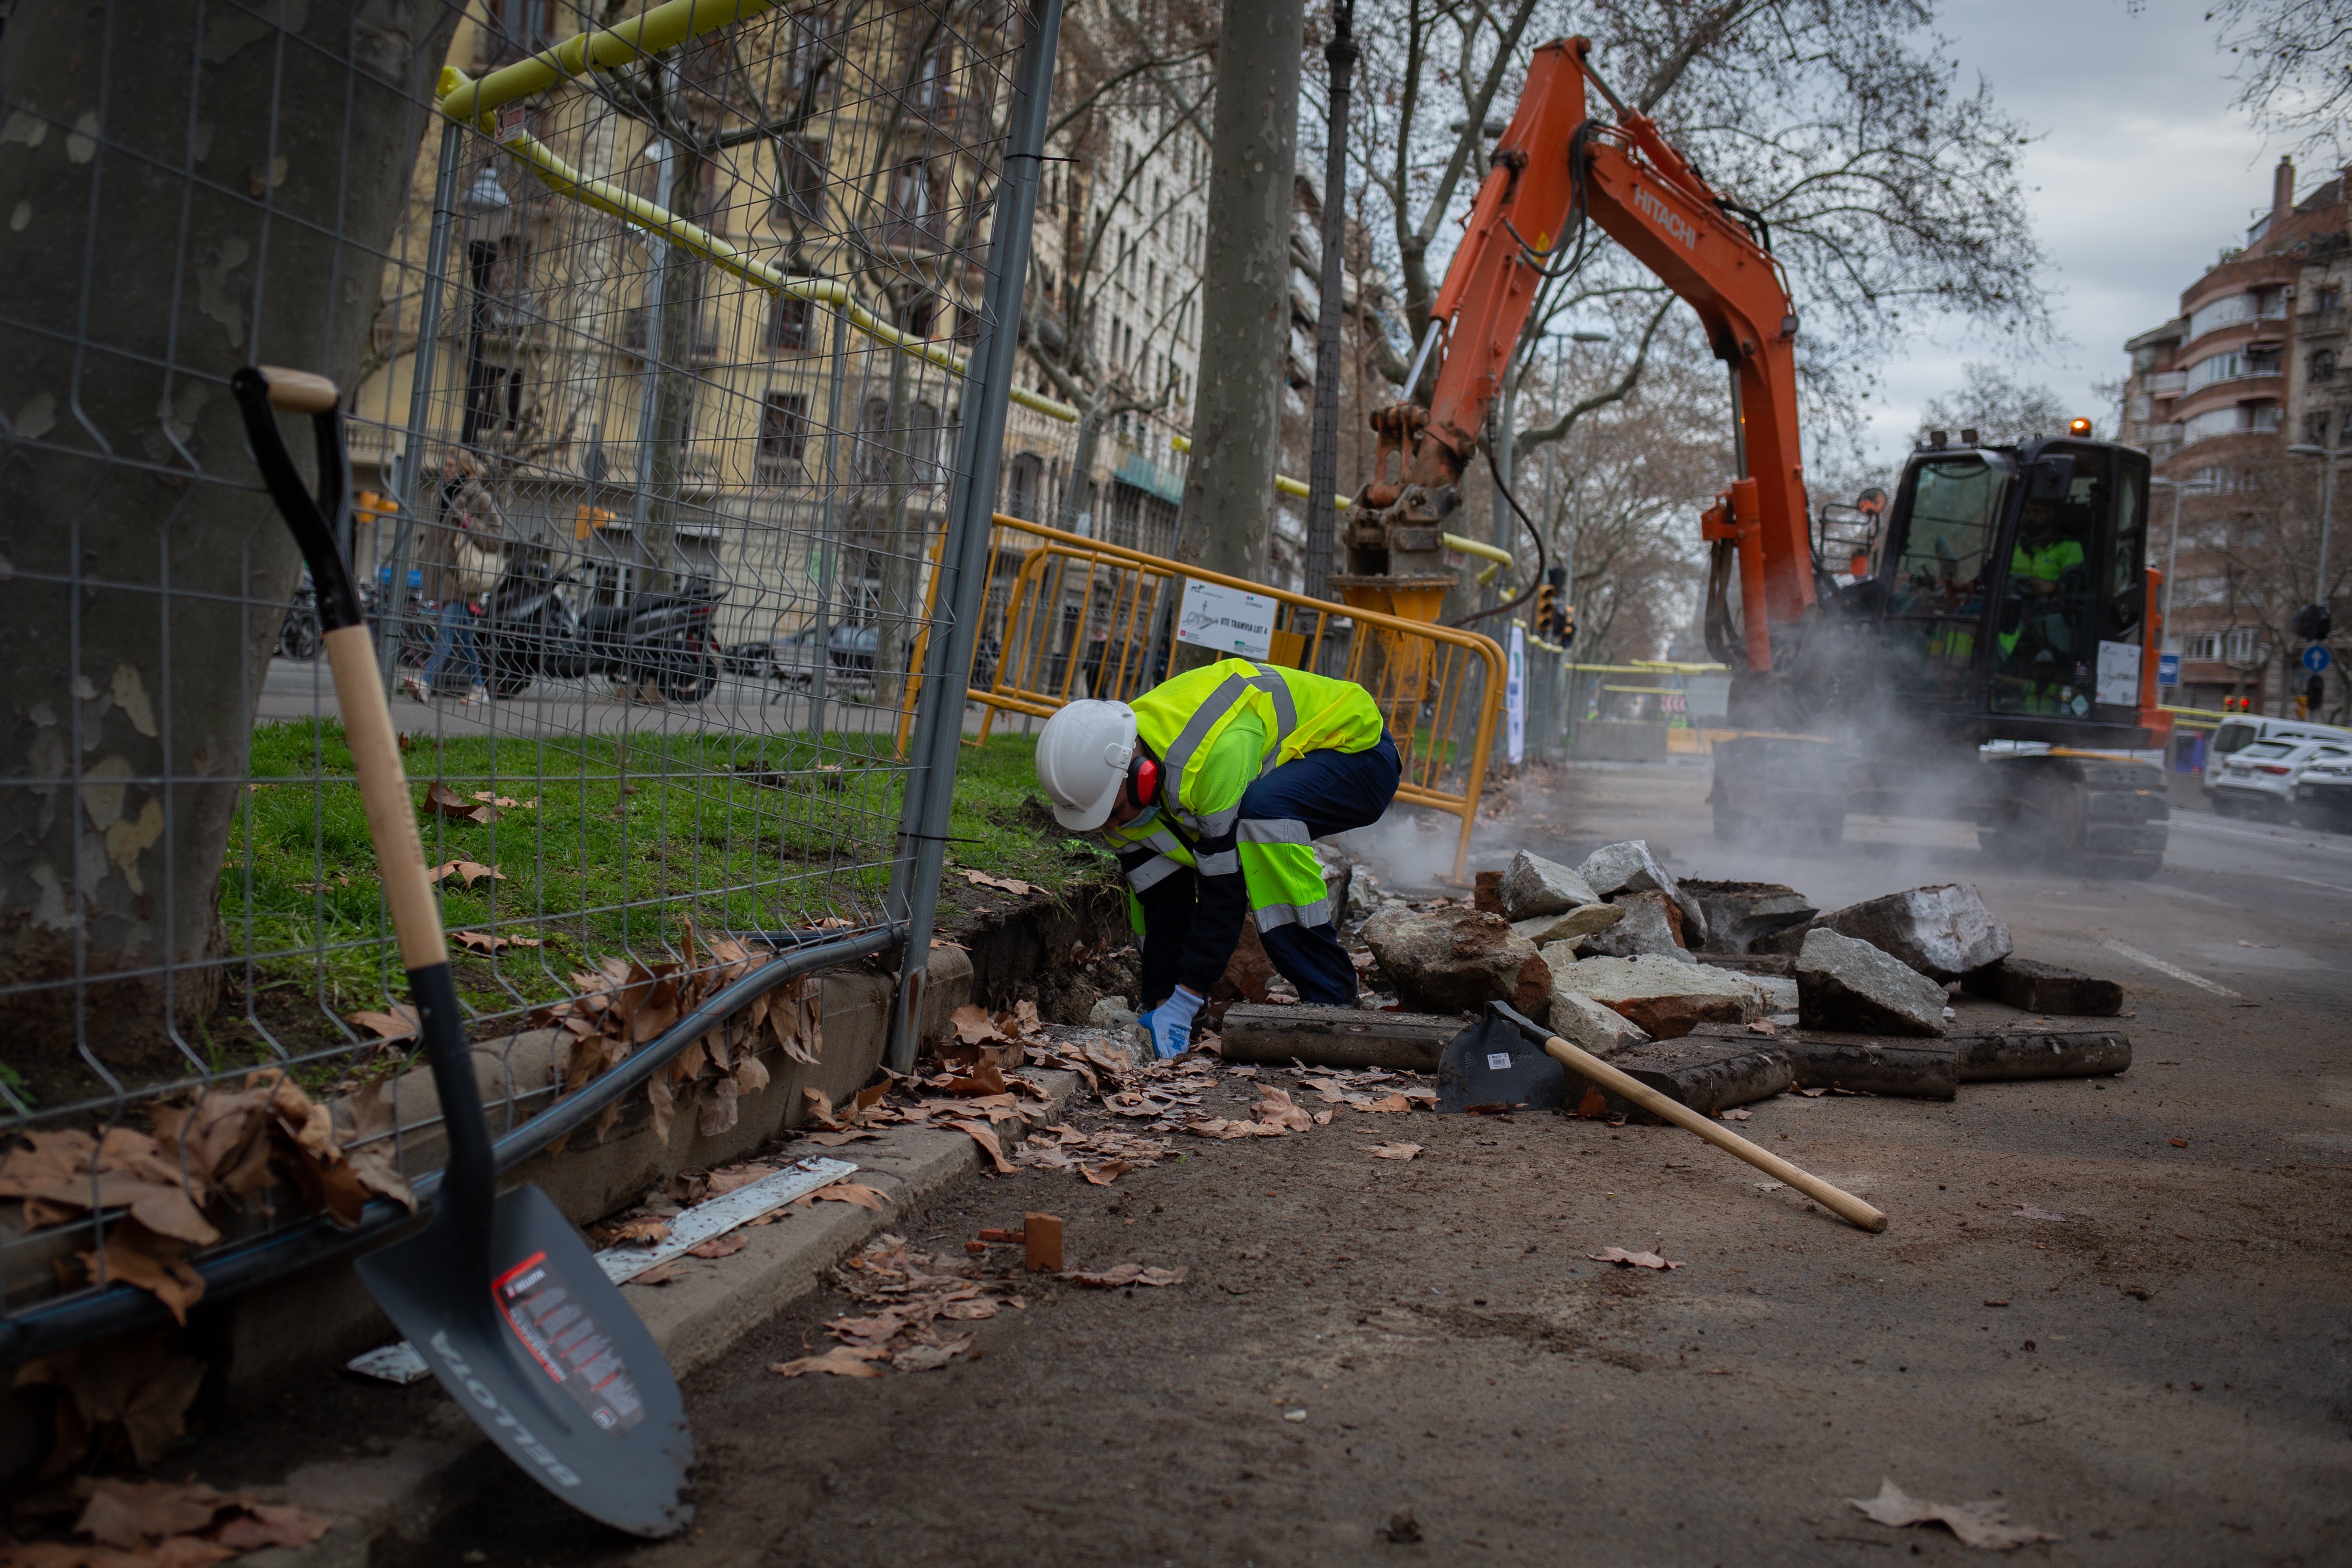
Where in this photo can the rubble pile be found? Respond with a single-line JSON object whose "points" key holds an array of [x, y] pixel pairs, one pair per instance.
{"points": [[1716, 992]]}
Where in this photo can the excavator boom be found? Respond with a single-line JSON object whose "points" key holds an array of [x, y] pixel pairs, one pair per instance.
{"points": [[1554, 167]]}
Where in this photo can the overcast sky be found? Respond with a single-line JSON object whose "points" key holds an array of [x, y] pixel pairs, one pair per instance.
{"points": [[2142, 172]]}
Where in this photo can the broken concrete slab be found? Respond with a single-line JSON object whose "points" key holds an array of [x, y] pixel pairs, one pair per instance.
{"points": [[1847, 984], [1753, 964], [2033, 987], [1739, 913], [2012, 1053], [1629, 867], [1651, 924], [1533, 886], [1706, 1072], [1943, 932], [1587, 1025], [1336, 1036], [1779, 992], [1458, 961], [1666, 997], [1569, 925], [1864, 1063]]}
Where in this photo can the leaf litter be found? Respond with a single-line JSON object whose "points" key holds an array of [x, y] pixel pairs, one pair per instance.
{"points": [[912, 1294], [1983, 1525], [158, 1524]]}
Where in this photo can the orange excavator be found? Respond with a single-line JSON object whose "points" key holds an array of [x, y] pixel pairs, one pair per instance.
{"points": [[1983, 646]]}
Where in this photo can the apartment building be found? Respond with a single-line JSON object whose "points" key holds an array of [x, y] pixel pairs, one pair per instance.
{"points": [[2217, 396]]}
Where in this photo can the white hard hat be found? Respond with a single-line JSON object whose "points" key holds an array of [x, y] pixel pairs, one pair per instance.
{"points": [[1083, 755]]}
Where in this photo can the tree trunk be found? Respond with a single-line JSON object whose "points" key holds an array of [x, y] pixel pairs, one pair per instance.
{"points": [[1246, 290], [219, 213]]}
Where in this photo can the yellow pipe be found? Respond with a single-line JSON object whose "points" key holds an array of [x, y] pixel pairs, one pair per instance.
{"points": [[647, 33], [606, 198], [1283, 483]]}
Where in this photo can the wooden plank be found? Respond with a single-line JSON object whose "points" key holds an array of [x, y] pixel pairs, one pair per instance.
{"points": [[1337, 1036]]}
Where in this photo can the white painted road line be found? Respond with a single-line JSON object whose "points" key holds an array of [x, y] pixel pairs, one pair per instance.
{"points": [[2331, 887], [2136, 956]]}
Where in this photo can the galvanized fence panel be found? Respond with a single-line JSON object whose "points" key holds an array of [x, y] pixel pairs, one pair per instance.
{"points": [[1070, 616], [652, 353]]}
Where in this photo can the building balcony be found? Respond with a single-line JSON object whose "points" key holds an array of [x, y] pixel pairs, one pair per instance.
{"points": [[2167, 384]]}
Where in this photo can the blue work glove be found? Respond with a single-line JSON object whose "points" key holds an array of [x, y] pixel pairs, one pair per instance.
{"points": [[1170, 1025]]}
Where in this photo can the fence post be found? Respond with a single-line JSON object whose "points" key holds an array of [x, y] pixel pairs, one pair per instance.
{"points": [[420, 395], [962, 570], [828, 543]]}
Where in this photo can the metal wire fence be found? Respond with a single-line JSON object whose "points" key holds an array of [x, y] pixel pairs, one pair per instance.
{"points": [[654, 342]]}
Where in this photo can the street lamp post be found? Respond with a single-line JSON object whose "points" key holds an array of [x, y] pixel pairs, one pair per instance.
{"points": [[2329, 458]]}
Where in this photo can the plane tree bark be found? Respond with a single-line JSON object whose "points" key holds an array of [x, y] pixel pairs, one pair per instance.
{"points": [[188, 202]]}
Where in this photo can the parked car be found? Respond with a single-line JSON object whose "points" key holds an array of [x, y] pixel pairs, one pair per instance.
{"points": [[793, 660], [2258, 780], [2323, 790], [2243, 730]]}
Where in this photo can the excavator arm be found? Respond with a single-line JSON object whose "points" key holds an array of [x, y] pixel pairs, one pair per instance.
{"points": [[1555, 166]]}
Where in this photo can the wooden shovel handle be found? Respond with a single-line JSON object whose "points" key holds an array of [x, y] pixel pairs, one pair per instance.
{"points": [[1844, 1205]]}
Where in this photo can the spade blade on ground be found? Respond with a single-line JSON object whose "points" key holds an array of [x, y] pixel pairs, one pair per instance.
{"points": [[541, 1349]]}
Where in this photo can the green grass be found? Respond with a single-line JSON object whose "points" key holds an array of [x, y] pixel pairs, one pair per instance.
{"points": [[630, 837]]}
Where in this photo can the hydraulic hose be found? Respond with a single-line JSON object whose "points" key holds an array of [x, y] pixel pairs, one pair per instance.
{"points": [[1533, 532]]}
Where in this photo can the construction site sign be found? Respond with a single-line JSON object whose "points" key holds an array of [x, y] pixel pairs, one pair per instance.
{"points": [[1226, 619]]}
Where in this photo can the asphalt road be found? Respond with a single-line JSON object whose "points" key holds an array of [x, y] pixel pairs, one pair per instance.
{"points": [[2159, 1375]]}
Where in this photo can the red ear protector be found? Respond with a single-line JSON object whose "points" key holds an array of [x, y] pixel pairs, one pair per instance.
{"points": [[1143, 777]]}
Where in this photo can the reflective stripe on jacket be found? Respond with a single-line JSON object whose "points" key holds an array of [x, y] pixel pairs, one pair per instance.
{"points": [[1218, 729]]}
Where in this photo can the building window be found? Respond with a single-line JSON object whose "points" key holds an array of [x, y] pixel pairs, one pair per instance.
{"points": [[2323, 364], [783, 433], [2229, 310], [1022, 478], [2238, 645], [2142, 406], [799, 179], [788, 324]]}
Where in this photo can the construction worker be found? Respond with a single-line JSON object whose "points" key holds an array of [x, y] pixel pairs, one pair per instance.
{"points": [[1212, 789]]}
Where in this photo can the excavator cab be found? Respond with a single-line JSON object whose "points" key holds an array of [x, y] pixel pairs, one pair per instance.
{"points": [[2011, 592]]}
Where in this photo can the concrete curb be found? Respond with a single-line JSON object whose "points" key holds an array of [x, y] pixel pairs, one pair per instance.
{"points": [[424, 1476]]}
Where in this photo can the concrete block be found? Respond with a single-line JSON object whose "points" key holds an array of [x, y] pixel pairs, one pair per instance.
{"points": [[1666, 997], [1584, 921], [1458, 961], [1943, 932], [1533, 886], [2034, 987], [1652, 924], [1847, 984]]}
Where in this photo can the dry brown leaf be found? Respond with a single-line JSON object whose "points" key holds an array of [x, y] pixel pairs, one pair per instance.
{"points": [[718, 1111], [400, 1024], [659, 1274], [835, 1140], [502, 801], [840, 1362], [127, 1513], [1003, 884], [1389, 1106], [484, 941], [1275, 1109], [726, 1245], [973, 1025], [856, 1192], [641, 1231], [1393, 1151], [750, 1076], [1124, 1274], [980, 1134], [440, 800], [1984, 1525], [261, 1524], [664, 1104], [1618, 1255], [819, 1110], [1107, 1173], [133, 1255], [471, 870], [133, 1384]]}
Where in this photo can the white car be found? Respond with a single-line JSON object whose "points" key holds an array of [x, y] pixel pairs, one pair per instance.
{"points": [[2258, 780], [2323, 789]]}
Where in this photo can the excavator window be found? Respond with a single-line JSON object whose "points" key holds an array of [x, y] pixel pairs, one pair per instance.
{"points": [[1935, 601], [2046, 634]]}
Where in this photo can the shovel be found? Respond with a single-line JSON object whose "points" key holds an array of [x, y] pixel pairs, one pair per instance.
{"points": [[498, 1292], [1837, 1200]]}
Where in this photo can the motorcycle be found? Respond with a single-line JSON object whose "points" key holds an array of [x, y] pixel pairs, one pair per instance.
{"points": [[532, 629], [301, 636]]}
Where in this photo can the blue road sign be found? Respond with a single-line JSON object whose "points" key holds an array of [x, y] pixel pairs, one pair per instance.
{"points": [[2316, 659], [2168, 669]]}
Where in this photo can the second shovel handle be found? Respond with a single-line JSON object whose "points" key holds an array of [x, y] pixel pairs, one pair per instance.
{"points": [[1838, 1201]]}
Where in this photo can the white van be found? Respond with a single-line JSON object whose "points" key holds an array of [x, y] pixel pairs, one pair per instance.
{"points": [[2240, 731]]}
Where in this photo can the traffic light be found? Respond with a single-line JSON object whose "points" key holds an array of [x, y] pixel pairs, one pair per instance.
{"points": [[2314, 689], [1558, 620], [1543, 615], [2312, 623]]}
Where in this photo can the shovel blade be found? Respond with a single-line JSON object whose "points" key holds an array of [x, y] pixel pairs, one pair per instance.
{"points": [[541, 1349]]}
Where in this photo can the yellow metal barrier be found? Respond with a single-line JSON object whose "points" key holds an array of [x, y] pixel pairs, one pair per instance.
{"points": [[1070, 616]]}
